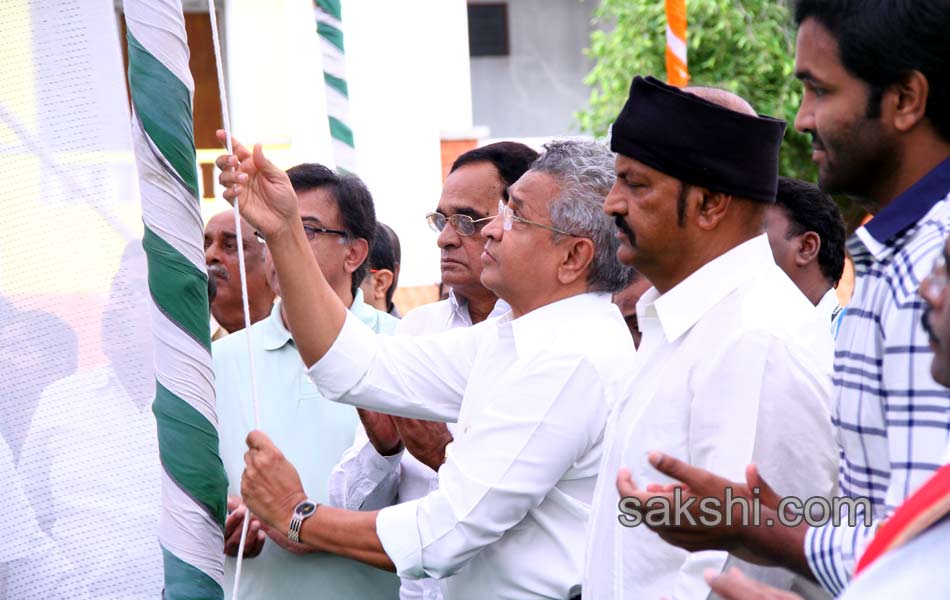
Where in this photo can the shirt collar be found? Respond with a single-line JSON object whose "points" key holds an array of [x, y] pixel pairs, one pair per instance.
{"points": [[911, 206], [460, 311], [533, 331], [683, 306], [275, 336], [272, 331], [828, 304]]}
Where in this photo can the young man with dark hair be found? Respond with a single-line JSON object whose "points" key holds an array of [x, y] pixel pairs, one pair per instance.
{"points": [[339, 224], [807, 235], [876, 105]]}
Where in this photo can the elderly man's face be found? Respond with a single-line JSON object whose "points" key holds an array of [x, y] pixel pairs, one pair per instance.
{"points": [[472, 190], [221, 258], [643, 202], [936, 292], [521, 264]]}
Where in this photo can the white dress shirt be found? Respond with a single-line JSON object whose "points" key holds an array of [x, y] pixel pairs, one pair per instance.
{"points": [[366, 480], [734, 368], [531, 397]]}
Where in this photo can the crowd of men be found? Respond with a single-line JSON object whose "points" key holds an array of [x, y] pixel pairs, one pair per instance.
{"points": [[632, 335], [641, 357], [502, 438]]}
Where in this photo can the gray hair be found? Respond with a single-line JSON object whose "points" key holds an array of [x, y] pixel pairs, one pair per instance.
{"points": [[585, 172]]}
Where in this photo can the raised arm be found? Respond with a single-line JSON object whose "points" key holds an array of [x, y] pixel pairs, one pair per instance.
{"points": [[266, 199]]}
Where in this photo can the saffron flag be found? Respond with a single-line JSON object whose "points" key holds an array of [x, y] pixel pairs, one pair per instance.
{"points": [[676, 71]]}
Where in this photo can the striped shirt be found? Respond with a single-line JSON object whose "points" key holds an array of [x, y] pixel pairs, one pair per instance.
{"points": [[892, 418]]}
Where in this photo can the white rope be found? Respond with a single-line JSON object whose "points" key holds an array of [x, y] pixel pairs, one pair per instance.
{"points": [[226, 122]]}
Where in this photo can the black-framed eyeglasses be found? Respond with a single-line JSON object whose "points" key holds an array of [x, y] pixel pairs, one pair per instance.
{"points": [[311, 232], [463, 224]]}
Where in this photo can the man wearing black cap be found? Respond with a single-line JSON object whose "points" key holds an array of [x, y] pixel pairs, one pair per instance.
{"points": [[734, 364]]}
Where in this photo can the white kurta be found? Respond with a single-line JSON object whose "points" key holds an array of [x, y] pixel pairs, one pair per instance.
{"points": [[734, 368], [366, 480], [531, 397]]}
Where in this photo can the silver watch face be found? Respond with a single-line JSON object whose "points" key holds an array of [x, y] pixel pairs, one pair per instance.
{"points": [[305, 509]]}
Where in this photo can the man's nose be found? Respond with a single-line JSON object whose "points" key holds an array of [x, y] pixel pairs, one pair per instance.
{"points": [[448, 237]]}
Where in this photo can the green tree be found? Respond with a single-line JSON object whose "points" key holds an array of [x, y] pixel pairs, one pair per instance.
{"points": [[744, 46]]}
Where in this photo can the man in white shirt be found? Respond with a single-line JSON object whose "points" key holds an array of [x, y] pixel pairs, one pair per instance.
{"points": [[735, 364], [530, 391], [399, 461], [881, 134], [914, 566], [807, 236]]}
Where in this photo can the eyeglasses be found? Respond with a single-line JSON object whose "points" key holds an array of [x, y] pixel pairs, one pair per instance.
{"points": [[463, 224], [510, 217], [939, 277], [311, 232]]}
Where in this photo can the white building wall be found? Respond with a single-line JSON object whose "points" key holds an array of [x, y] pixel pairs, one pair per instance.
{"points": [[535, 91], [275, 79], [409, 80]]}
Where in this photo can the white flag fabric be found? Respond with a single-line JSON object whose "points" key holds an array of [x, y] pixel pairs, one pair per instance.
{"points": [[93, 477]]}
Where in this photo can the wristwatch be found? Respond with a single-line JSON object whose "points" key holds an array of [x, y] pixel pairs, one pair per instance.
{"points": [[302, 511]]}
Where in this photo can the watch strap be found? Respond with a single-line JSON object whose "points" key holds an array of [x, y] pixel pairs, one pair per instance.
{"points": [[302, 512]]}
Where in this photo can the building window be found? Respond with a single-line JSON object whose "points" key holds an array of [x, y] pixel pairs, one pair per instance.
{"points": [[488, 29]]}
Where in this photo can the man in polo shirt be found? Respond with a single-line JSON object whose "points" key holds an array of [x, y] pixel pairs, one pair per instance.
{"points": [[876, 106], [338, 221]]}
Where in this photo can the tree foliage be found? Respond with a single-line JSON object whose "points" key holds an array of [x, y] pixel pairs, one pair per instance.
{"points": [[744, 46]]}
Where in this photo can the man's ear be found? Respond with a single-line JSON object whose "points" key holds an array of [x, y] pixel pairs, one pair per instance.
{"points": [[382, 281], [809, 244], [908, 100], [580, 255], [356, 252], [712, 208]]}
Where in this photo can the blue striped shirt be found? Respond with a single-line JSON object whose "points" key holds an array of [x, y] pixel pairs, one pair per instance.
{"points": [[892, 418]]}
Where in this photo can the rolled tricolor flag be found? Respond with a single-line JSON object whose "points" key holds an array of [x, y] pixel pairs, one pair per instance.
{"points": [[676, 72]]}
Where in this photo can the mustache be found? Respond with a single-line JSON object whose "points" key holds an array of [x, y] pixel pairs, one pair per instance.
{"points": [[623, 226], [219, 271], [816, 142]]}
